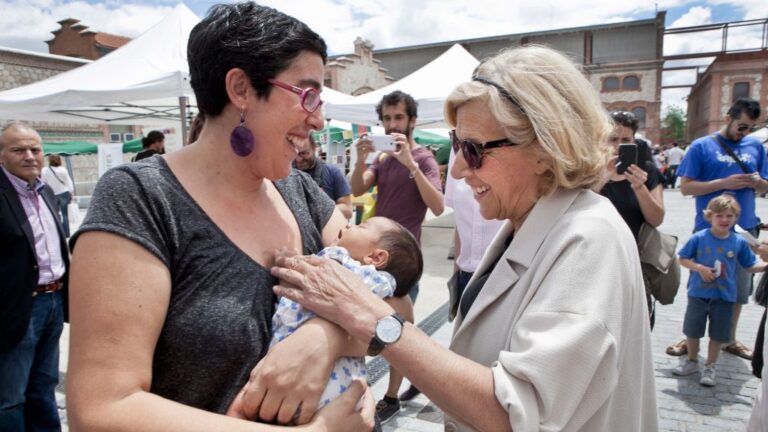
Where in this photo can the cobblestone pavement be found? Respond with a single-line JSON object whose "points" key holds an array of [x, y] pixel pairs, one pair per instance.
{"points": [[684, 405]]}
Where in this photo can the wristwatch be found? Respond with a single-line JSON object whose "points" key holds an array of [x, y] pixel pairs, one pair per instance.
{"points": [[388, 331]]}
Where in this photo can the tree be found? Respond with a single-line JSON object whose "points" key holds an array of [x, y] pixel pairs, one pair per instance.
{"points": [[673, 125]]}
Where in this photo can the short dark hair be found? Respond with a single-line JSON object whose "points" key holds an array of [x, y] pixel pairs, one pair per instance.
{"points": [[151, 138], [406, 262], [744, 105], [257, 39], [626, 119], [394, 98]]}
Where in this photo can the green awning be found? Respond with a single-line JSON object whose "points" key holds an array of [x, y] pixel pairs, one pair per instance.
{"points": [[69, 148]]}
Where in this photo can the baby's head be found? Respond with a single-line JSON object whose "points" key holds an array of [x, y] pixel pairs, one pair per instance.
{"points": [[723, 205], [388, 246]]}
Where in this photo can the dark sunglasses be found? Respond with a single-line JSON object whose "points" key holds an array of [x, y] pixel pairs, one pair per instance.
{"points": [[309, 97], [473, 152], [744, 127]]}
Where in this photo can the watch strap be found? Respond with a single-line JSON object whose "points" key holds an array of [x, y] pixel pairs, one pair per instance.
{"points": [[377, 345]]}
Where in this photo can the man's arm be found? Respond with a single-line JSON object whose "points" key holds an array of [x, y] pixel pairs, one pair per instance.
{"points": [[689, 186], [362, 178], [432, 197]]}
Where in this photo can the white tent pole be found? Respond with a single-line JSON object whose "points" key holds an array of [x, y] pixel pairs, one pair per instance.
{"points": [[183, 100]]}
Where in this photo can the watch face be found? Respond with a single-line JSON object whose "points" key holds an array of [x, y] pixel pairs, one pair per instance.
{"points": [[388, 330]]}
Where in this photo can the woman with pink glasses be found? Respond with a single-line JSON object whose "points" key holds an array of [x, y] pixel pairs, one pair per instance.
{"points": [[171, 287], [551, 332]]}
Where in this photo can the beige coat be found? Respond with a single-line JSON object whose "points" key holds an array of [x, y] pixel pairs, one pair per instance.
{"points": [[562, 322]]}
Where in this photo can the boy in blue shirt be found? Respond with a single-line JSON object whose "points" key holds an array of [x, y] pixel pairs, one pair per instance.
{"points": [[712, 255]]}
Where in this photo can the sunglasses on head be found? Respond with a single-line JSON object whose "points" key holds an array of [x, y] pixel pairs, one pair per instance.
{"points": [[473, 152], [309, 97]]}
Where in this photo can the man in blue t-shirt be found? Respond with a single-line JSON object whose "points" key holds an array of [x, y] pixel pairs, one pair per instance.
{"points": [[330, 178], [708, 170]]}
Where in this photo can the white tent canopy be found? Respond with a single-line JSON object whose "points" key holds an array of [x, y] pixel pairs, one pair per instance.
{"points": [[140, 82], [142, 79], [430, 86]]}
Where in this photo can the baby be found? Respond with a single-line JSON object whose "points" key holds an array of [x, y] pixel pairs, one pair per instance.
{"points": [[387, 257]]}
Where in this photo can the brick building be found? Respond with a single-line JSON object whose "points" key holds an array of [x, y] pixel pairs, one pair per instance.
{"points": [[729, 77], [623, 61], [19, 68], [356, 73], [74, 39]]}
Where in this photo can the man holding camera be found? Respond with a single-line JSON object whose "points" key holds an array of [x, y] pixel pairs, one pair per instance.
{"points": [[728, 161], [408, 181]]}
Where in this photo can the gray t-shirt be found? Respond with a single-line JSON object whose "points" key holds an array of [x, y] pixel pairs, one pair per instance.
{"points": [[218, 322]]}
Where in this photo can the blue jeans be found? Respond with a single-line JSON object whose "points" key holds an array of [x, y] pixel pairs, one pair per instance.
{"points": [[29, 372], [63, 200]]}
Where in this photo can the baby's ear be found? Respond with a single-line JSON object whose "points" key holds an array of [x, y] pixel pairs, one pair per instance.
{"points": [[378, 258]]}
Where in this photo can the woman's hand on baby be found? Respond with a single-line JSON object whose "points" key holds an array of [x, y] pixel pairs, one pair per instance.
{"points": [[286, 385], [352, 411], [332, 292]]}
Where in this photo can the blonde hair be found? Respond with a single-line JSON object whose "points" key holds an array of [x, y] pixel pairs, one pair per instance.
{"points": [[721, 204], [554, 110]]}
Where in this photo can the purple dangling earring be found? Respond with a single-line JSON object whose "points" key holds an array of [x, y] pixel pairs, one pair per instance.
{"points": [[241, 140]]}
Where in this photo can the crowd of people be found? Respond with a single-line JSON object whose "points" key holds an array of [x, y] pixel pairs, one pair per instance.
{"points": [[220, 287]]}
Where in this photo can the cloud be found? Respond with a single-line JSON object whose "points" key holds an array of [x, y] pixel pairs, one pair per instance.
{"points": [[397, 23], [28, 24]]}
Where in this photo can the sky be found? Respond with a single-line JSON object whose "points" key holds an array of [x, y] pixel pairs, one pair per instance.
{"points": [[27, 24]]}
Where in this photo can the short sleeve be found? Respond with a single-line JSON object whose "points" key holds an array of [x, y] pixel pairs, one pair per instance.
{"points": [[746, 257], [428, 165], [690, 166], [762, 166], [654, 175], [121, 205], [341, 185], [688, 251], [311, 206]]}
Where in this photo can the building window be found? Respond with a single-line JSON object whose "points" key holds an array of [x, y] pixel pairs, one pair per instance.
{"points": [[639, 112], [610, 84], [631, 82], [740, 90]]}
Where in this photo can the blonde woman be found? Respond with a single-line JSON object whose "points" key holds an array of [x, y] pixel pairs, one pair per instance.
{"points": [[551, 332]]}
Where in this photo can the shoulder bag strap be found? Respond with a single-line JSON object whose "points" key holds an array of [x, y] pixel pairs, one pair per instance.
{"points": [[57, 177], [730, 152]]}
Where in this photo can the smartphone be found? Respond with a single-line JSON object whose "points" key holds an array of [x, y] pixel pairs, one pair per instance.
{"points": [[382, 142], [627, 157]]}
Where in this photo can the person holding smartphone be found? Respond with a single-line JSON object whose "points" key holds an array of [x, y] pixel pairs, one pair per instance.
{"points": [[635, 190]]}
